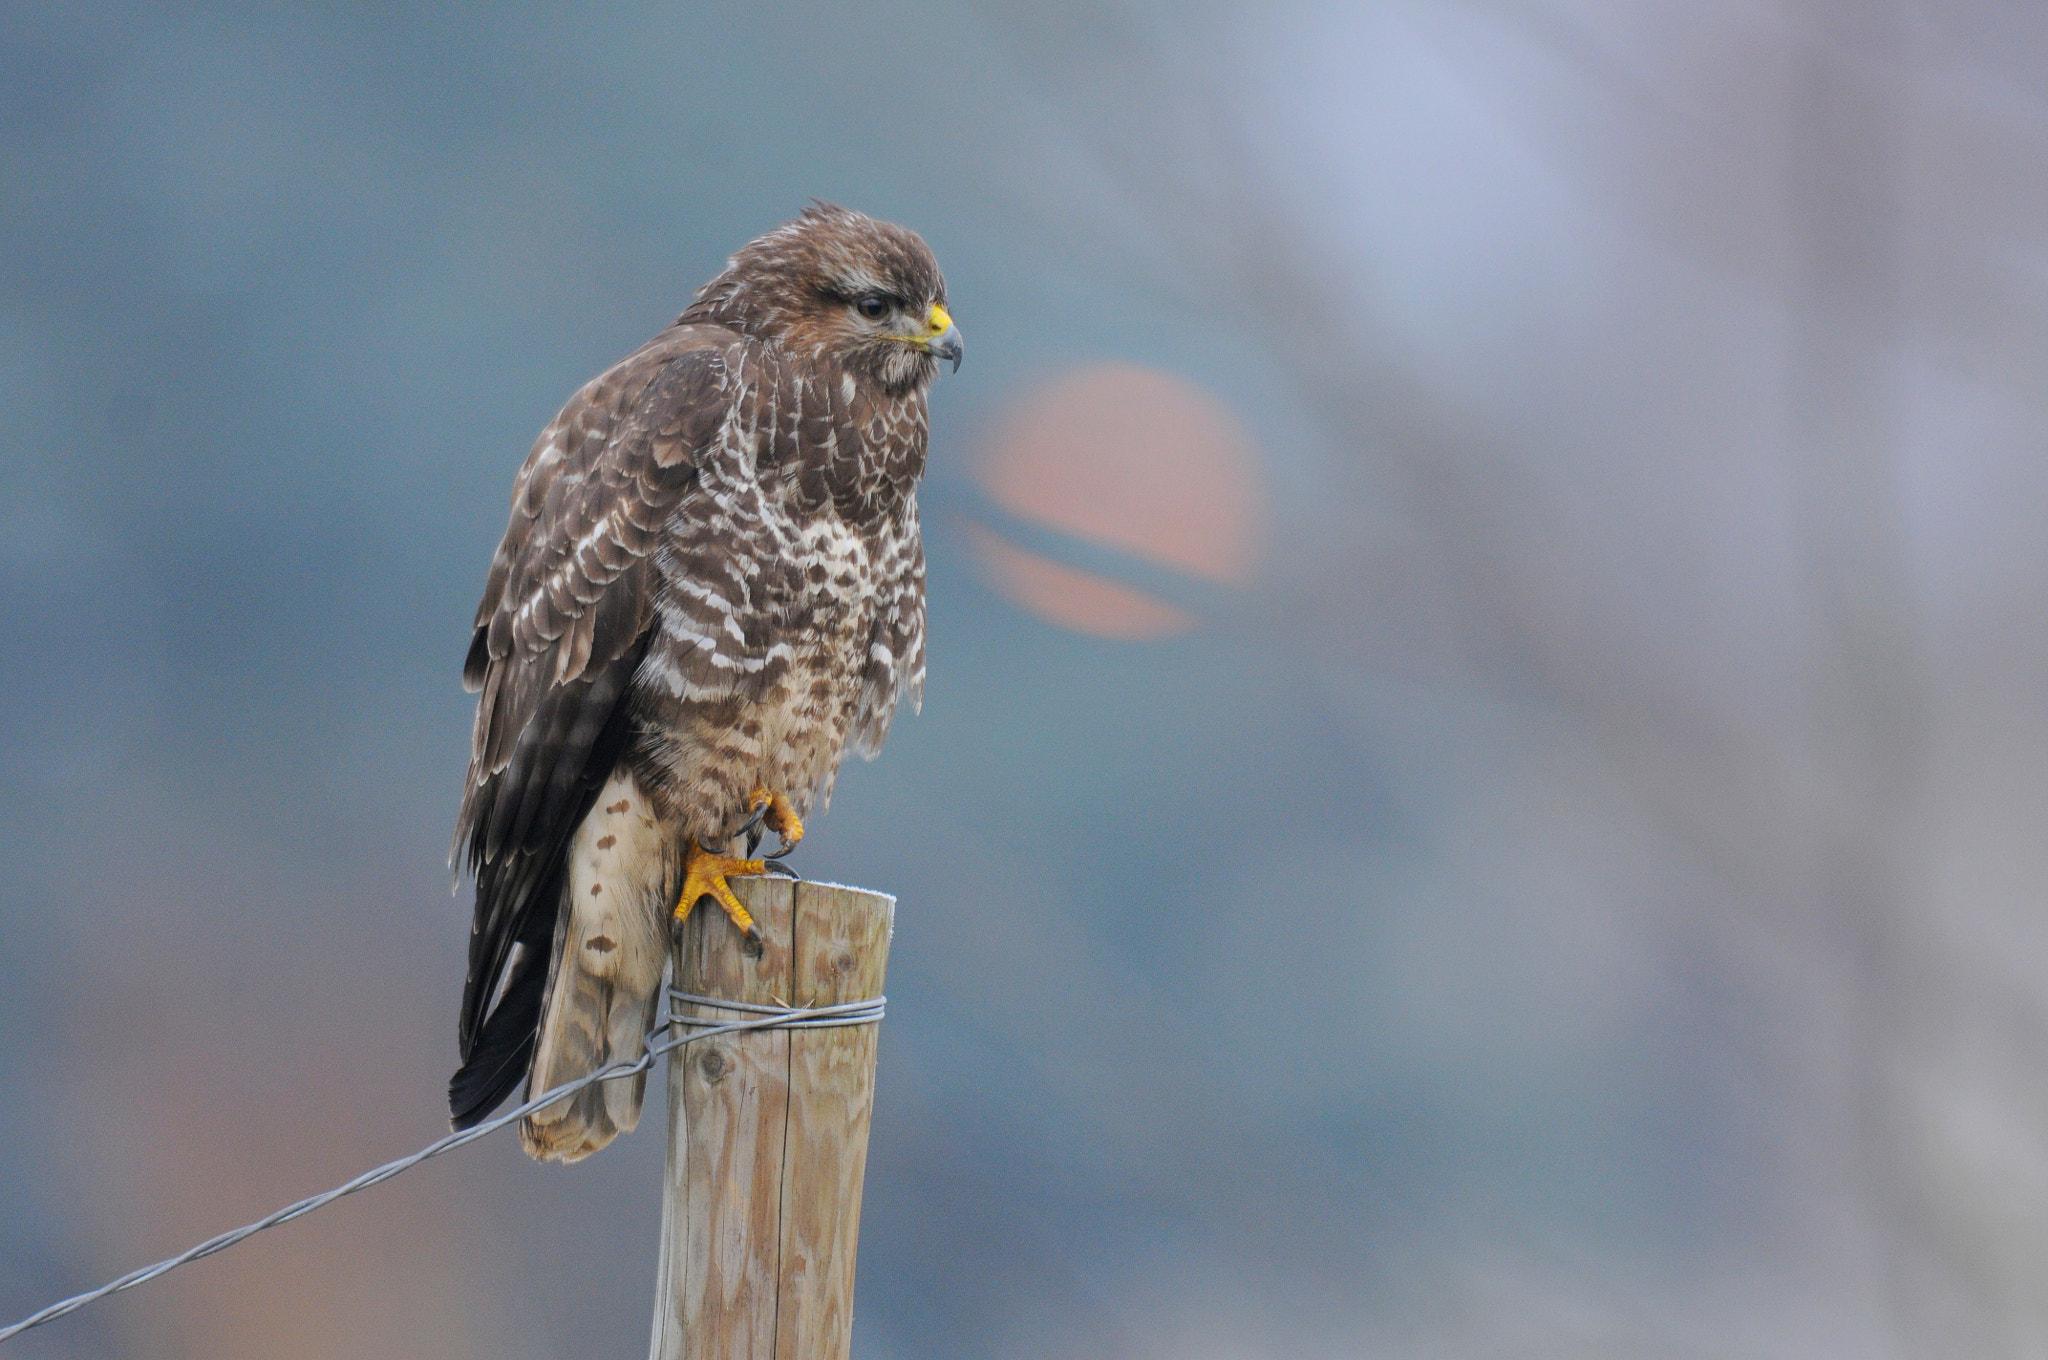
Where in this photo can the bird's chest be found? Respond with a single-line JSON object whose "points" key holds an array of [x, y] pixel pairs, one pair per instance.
{"points": [[763, 603], [813, 587], [769, 604]]}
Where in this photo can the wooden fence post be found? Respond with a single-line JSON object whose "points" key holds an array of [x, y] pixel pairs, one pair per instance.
{"points": [[768, 1132]]}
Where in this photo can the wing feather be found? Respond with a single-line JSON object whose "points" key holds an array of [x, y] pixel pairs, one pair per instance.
{"points": [[562, 626]]}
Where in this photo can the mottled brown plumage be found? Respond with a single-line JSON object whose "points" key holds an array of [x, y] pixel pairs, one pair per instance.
{"points": [[712, 582]]}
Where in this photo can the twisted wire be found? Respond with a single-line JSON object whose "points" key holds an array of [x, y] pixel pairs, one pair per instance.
{"points": [[674, 1031]]}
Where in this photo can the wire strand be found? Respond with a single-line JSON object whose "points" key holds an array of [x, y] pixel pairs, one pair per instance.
{"points": [[659, 1042]]}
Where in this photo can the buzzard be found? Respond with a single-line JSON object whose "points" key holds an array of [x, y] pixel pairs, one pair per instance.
{"points": [[712, 585]]}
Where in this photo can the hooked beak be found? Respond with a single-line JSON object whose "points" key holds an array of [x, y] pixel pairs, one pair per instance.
{"points": [[943, 342]]}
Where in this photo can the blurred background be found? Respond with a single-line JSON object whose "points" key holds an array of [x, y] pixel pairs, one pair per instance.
{"points": [[1482, 783]]}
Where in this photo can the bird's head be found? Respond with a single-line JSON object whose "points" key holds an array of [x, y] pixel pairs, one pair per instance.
{"points": [[836, 284]]}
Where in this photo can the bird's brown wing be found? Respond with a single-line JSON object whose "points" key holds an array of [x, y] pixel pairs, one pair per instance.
{"points": [[562, 626]]}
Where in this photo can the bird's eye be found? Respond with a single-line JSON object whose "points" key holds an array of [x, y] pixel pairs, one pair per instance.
{"points": [[873, 308]]}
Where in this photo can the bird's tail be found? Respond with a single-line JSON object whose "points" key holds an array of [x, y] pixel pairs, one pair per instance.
{"points": [[602, 994]]}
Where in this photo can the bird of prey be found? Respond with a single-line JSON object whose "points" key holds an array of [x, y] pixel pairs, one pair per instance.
{"points": [[711, 587]]}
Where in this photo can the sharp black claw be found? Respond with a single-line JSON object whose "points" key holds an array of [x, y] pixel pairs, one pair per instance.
{"points": [[751, 828], [753, 842], [773, 865], [752, 946]]}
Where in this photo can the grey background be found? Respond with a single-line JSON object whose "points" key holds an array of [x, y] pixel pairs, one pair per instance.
{"points": [[1584, 898]]}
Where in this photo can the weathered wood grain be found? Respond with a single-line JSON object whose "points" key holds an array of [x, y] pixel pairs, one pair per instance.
{"points": [[840, 953], [768, 1133]]}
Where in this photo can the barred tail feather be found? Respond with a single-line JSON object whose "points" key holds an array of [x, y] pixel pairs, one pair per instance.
{"points": [[590, 1023]]}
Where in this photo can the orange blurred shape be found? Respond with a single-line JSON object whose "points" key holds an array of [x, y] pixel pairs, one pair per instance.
{"points": [[1132, 459]]}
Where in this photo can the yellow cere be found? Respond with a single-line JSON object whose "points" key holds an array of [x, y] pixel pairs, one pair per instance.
{"points": [[939, 320]]}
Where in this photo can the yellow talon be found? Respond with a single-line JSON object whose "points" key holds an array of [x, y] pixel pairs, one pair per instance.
{"points": [[704, 875], [781, 817]]}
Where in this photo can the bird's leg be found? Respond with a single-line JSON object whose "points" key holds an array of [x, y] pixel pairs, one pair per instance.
{"points": [[704, 875], [780, 816]]}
